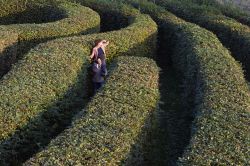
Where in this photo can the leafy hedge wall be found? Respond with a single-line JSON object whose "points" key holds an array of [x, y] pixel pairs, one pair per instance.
{"points": [[7, 6], [113, 121], [226, 9], [76, 15], [232, 34], [76, 21], [8, 49], [31, 91], [215, 89]]}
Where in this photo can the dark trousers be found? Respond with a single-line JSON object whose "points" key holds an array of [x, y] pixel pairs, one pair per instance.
{"points": [[97, 86]]}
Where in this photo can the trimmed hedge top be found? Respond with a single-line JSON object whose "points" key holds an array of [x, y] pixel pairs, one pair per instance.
{"points": [[103, 133], [10, 6], [215, 89], [49, 70], [7, 38], [231, 33], [76, 21], [8, 47]]}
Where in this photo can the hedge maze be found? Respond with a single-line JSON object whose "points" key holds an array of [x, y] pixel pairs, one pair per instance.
{"points": [[47, 116]]}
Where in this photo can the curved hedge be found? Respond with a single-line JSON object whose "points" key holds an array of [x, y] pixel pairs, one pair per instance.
{"points": [[51, 69], [113, 122], [226, 9], [7, 6], [76, 21], [215, 89], [232, 34], [8, 49]]}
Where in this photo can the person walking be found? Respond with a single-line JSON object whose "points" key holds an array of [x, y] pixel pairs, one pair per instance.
{"points": [[98, 51], [98, 77]]}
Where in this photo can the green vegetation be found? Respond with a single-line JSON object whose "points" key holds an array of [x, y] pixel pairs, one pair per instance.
{"points": [[203, 121], [8, 49], [73, 15], [231, 33], [215, 91], [31, 34], [226, 9], [33, 92], [105, 134]]}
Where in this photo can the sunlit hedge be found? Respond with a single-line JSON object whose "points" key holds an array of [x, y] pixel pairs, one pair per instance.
{"points": [[105, 132], [232, 34], [31, 93], [215, 7], [75, 20], [215, 92], [8, 49]]}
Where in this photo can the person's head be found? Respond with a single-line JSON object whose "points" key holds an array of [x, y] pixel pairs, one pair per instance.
{"points": [[98, 42]]}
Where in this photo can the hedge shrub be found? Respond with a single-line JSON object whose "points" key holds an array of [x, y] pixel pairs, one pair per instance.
{"points": [[76, 21], [214, 89], [32, 93], [232, 34], [8, 48], [7, 7], [74, 14], [226, 9], [114, 119]]}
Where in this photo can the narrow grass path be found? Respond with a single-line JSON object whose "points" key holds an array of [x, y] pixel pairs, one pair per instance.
{"points": [[171, 133]]}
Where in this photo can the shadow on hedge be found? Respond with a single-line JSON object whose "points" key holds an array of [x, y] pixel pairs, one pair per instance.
{"points": [[166, 133], [11, 54], [35, 15], [39, 131]]}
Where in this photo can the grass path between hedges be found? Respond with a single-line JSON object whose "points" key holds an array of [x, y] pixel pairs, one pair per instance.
{"points": [[172, 129]]}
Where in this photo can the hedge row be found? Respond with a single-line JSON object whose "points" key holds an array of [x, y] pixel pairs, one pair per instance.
{"points": [[74, 14], [8, 49], [226, 9], [76, 21], [32, 93], [232, 34], [215, 89], [7, 7], [234, 12], [114, 119]]}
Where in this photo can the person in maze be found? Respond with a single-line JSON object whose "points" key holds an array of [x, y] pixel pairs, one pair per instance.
{"points": [[98, 59], [98, 75], [98, 51]]}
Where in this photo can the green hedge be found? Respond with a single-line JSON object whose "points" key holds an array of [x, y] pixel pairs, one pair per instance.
{"points": [[232, 34], [231, 11], [76, 21], [226, 9], [8, 49], [214, 89], [7, 7], [32, 93], [113, 121]]}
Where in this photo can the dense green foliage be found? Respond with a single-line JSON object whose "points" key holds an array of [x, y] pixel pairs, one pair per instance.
{"points": [[49, 85], [232, 34], [105, 134], [226, 9], [7, 6], [31, 91], [73, 15], [8, 49], [215, 91], [31, 34]]}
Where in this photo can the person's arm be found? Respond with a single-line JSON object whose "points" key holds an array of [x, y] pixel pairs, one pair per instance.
{"points": [[92, 53]]}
